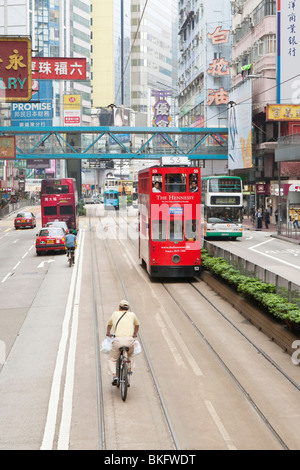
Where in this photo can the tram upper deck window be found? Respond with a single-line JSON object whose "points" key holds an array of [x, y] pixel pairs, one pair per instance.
{"points": [[175, 183], [193, 184], [156, 183]]}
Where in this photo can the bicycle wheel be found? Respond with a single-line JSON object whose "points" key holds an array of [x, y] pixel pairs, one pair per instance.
{"points": [[119, 371], [124, 380], [70, 260]]}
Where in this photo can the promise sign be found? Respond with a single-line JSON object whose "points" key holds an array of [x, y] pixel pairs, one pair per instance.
{"points": [[7, 148], [15, 69]]}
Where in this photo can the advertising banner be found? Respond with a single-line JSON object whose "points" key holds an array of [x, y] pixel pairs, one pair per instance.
{"points": [[65, 68], [7, 148], [38, 112], [72, 110], [15, 69], [240, 127]]}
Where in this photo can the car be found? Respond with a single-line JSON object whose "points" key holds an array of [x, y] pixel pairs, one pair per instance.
{"points": [[89, 200], [58, 223], [96, 199], [25, 219], [50, 239]]}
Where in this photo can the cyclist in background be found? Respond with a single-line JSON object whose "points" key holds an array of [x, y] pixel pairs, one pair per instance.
{"points": [[125, 325], [71, 242]]}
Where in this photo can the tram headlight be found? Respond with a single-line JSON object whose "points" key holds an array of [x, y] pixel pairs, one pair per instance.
{"points": [[176, 259]]}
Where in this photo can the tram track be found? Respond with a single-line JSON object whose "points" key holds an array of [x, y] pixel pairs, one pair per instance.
{"points": [[281, 440], [224, 365], [100, 394]]}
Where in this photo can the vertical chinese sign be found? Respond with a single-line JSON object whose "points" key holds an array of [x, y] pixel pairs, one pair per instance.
{"points": [[161, 108], [218, 67], [15, 69], [72, 110], [288, 51], [7, 148]]}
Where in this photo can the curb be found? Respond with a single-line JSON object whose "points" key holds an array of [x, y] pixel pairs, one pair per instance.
{"points": [[270, 327]]}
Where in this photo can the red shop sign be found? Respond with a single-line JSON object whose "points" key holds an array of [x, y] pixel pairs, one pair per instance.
{"points": [[15, 69], [59, 68]]}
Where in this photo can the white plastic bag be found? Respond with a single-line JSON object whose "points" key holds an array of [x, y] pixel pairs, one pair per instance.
{"points": [[137, 347], [106, 345]]}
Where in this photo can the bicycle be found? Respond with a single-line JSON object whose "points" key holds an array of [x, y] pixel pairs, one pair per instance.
{"points": [[71, 256], [123, 364]]}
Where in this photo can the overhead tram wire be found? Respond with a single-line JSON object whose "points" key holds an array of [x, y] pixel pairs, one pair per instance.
{"points": [[264, 91], [132, 45]]}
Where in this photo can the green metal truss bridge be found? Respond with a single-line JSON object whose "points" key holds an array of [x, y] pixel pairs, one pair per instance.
{"points": [[107, 143]]}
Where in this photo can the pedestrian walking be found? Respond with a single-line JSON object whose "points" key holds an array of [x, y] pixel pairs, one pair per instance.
{"points": [[258, 218], [267, 218]]}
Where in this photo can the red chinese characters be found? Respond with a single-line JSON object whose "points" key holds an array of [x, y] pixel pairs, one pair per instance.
{"points": [[66, 68]]}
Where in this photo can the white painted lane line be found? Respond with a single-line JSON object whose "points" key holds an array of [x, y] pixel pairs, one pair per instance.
{"points": [[49, 431], [24, 256], [66, 418], [6, 277], [15, 267], [220, 425], [272, 257]]}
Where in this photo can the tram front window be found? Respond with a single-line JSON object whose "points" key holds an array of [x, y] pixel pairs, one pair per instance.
{"points": [[175, 183], [176, 231], [159, 230], [191, 230]]}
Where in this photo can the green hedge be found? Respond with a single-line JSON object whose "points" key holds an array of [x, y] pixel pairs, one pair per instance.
{"points": [[263, 294]]}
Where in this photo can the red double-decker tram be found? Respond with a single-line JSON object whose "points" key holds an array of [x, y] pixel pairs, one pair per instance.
{"points": [[59, 201], [170, 221]]}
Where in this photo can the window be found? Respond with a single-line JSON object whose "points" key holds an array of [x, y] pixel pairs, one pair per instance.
{"points": [[175, 183], [193, 183], [156, 183], [59, 189], [50, 210], [176, 231], [159, 230], [192, 230], [66, 210]]}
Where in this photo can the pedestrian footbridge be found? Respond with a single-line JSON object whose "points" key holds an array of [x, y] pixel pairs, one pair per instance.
{"points": [[118, 142]]}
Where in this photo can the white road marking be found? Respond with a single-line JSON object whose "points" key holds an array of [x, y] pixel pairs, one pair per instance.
{"points": [[15, 267], [6, 277], [272, 257], [219, 425], [42, 264], [25, 255], [177, 356], [65, 425], [49, 431]]}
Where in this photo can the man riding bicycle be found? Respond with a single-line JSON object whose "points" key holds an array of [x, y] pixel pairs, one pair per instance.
{"points": [[125, 325], [71, 242]]}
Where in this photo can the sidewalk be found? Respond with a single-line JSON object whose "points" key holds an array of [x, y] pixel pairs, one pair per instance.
{"points": [[272, 230]]}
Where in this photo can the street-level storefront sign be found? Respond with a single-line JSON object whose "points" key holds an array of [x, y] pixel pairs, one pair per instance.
{"points": [[7, 148]]}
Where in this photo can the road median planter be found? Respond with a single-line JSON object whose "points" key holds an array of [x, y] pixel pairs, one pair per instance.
{"points": [[255, 300]]}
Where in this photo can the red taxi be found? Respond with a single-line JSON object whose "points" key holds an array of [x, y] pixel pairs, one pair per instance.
{"points": [[50, 239], [25, 219]]}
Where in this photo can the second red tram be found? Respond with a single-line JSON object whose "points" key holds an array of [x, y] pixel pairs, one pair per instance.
{"points": [[170, 220], [59, 201]]}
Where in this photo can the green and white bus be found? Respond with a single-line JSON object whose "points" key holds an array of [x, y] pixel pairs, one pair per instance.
{"points": [[222, 199]]}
